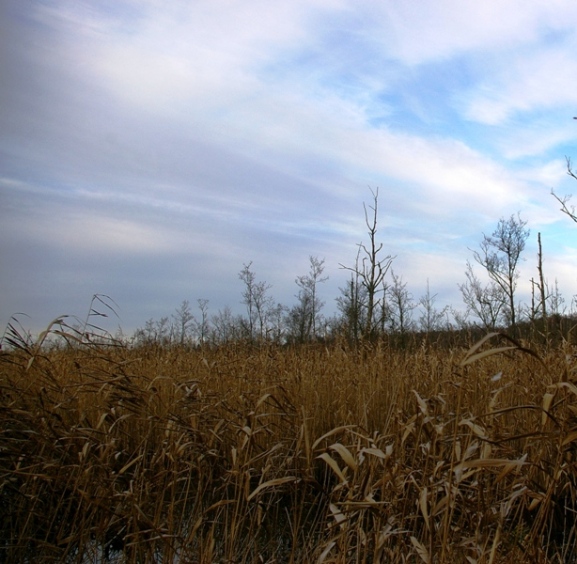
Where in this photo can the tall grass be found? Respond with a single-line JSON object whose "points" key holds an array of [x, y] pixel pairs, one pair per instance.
{"points": [[309, 454]]}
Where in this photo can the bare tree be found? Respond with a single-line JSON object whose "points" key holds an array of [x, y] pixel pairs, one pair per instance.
{"points": [[372, 269], [309, 305], [159, 332], [351, 304], [225, 326], [276, 316], [500, 254], [401, 305], [542, 285], [257, 302], [298, 320], [248, 277], [485, 302], [431, 318], [183, 321], [557, 301], [202, 325], [539, 295]]}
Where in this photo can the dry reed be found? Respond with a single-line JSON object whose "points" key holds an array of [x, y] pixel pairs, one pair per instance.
{"points": [[270, 454]]}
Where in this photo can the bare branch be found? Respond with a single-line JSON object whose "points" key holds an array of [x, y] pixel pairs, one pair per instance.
{"points": [[569, 211]]}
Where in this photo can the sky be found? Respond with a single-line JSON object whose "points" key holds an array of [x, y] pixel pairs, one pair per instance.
{"points": [[149, 149]]}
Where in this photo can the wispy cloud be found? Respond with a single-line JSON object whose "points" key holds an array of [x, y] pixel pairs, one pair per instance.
{"points": [[177, 140], [540, 80]]}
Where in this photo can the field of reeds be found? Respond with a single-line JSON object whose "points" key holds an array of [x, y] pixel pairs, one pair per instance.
{"points": [[263, 454]]}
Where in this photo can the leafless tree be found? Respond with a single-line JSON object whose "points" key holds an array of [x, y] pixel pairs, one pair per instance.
{"points": [[484, 301], [557, 301], [542, 285], [351, 305], [183, 320], [539, 295], [309, 306], [401, 305], [500, 255], [372, 268], [225, 326], [431, 318], [276, 315], [158, 332], [257, 301], [202, 325]]}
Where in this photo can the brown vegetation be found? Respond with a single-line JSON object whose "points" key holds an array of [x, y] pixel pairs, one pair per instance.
{"points": [[295, 454]]}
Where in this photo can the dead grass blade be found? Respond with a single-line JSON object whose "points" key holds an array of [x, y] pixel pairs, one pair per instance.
{"points": [[346, 455], [333, 465], [473, 356], [421, 550], [271, 484]]}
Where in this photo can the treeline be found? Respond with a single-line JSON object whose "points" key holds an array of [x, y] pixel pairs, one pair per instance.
{"points": [[376, 303]]}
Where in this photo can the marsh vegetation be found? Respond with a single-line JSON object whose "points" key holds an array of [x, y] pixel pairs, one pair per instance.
{"points": [[266, 453]]}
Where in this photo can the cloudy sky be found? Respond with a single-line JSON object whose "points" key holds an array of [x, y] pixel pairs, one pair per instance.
{"points": [[148, 148]]}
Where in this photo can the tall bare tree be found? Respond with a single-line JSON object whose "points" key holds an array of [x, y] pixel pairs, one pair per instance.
{"points": [[542, 284], [500, 255], [539, 294], [202, 325], [372, 268]]}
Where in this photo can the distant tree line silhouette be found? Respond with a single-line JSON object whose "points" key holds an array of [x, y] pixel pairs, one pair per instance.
{"points": [[375, 302]]}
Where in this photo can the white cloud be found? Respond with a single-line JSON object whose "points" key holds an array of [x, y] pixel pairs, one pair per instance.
{"points": [[228, 131], [537, 138], [181, 54], [118, 236], [428, 31], [214, 89], [87, 231], [526, 82]]}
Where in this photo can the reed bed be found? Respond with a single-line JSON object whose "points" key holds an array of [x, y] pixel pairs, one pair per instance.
{"points": [[244, 454]]}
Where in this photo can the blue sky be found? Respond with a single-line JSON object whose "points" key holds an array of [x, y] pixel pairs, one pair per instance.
{"points": [[149, 149]]}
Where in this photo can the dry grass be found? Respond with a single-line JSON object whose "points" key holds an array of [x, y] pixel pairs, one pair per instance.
{"points": [[302, 455]]}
